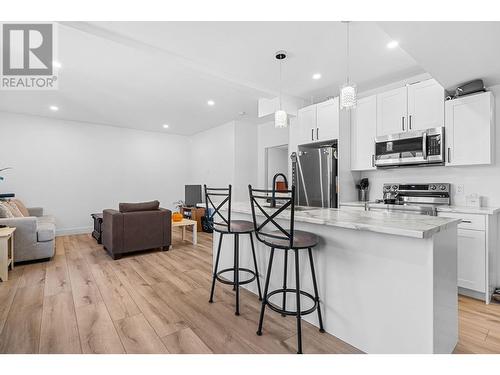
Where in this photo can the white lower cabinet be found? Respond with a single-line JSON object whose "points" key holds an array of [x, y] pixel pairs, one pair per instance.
{"points": [[471, 246], [476, 253]]}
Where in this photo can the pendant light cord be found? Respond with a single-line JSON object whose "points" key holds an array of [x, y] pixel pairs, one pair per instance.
{"points": [[280, 83], [348, 50]]}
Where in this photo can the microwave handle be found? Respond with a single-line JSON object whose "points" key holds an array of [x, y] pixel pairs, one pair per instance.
{"points": [[424, 145]]}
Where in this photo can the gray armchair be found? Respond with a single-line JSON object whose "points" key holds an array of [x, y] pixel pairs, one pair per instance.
{"points": [[34, 237]]}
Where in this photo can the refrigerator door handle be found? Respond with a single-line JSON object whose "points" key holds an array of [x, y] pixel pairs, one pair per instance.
{"points": [[321, 177]]}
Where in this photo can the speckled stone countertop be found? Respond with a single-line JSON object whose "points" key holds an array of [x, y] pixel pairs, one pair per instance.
{"points": [[392, 223], [452, 208]]}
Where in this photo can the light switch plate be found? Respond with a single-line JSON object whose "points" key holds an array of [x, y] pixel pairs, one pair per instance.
{"points": [[460, 189]]}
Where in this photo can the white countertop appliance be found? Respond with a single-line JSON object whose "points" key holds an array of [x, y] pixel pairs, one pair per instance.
{"points": [[423, 199]]}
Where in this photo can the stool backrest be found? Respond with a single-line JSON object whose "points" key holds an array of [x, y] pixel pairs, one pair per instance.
{"points": [[216, 199], [259, 197]]}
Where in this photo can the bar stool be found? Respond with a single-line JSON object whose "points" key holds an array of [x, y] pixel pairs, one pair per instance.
{"points": [[272, 234], [222, 196]]}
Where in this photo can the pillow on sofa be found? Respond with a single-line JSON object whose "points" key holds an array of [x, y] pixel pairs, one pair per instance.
{"points": [[21, 207], [143, 206], [13, 209], [5, 211]]}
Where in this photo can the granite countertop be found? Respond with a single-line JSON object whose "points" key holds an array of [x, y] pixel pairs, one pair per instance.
{"points": [[392, 223], [452, 208]]}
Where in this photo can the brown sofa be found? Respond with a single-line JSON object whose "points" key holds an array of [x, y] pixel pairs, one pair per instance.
{"points": [[135, 227]]}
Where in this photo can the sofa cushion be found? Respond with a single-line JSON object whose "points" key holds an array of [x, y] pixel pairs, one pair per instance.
{"points": [[13, 209], [45, 232], [143, 206], [5, 211], [20, 205]]}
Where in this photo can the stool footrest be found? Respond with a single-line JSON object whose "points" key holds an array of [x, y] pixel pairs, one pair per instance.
{"points": [[288, 312], [241, 282]]}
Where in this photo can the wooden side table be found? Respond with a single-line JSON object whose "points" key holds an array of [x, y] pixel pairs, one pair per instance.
{"points": [[6, 252], [195, 213], [186, 223]]}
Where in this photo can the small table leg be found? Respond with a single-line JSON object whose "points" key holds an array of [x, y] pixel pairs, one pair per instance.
{"points": [[195, 233], [184, 233], [4, 259]]}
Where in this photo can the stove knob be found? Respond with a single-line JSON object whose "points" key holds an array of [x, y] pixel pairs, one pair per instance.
{"points": [[394, 187], [442, 187], [433, 187]]}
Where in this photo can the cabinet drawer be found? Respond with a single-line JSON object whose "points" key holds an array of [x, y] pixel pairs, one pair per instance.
{"points": [[469, 221]]}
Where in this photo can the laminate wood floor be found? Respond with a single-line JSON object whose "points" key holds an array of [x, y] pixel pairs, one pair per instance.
{"points": [[157, 302]]}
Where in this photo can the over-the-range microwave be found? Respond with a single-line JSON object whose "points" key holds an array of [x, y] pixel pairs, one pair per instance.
{"points": [[418, 147]]}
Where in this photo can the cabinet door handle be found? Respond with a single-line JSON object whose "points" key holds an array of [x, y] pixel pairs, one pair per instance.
{"points": [[312, 134], [317, 133], [409, 124], [373, 160], [467, 221], [449, 155], [403, 123]]}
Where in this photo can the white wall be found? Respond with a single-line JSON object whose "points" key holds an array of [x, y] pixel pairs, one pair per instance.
{"points": [[212, 156], [225, 155], [73, 169], [483, 180], [268, 136], [277, 162]]}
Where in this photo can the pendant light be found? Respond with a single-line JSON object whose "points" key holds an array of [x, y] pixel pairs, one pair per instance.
{"points": [[348, 95], [280, 116]]}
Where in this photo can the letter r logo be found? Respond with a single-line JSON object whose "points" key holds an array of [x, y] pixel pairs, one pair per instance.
{"points": [[27, 49]]}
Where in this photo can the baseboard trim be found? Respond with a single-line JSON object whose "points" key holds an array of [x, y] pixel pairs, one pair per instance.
{"points": [[70, 231]]}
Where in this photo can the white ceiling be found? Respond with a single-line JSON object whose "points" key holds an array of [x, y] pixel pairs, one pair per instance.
{"points": [[452, 52], [144, 74]]}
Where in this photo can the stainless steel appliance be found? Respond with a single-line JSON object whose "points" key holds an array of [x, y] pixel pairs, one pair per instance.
{"points": [[314, 175], [413, 198], [419, 147]]}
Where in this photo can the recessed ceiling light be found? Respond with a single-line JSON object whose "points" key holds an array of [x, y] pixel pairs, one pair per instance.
{"points": [[316, 76], [165, 126], [392, 44], [54, 108], [211, 103], [56, 64]]}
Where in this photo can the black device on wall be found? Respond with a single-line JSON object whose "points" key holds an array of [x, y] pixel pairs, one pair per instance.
{"points": [[192, 195]]}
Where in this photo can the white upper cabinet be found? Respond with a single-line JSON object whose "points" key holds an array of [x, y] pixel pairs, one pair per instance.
{"points": [[327, 120], [363, 133], [316, 123], [469, 129], [425, 105], [413, 107], [306, 130], [391, 112]]}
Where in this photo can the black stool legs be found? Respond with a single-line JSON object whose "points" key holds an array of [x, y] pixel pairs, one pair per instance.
{"points": [[297, 293], [264, 297], [215, 270], [315, 285], [235, 270], [298, 311]]}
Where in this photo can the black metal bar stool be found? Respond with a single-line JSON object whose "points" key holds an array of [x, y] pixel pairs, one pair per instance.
{"points": [[222, 197], [275, 236]]}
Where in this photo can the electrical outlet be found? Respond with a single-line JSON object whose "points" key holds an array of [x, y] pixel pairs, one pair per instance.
{"points": [[460, 189]]}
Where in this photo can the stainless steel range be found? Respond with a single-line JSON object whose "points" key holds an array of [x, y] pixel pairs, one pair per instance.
{"points": [[420, 199]]}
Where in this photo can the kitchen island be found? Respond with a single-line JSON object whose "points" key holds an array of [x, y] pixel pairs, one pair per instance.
{"points": [[387, 281]]}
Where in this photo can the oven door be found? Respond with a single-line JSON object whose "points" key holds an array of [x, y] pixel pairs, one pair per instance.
{"points": [[401, 149]]}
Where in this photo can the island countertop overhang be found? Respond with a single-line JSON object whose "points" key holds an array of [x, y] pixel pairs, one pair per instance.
{"points": [[391, 223]]}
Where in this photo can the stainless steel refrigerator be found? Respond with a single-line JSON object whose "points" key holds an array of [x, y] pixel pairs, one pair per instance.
{"points": [[314, 174]]}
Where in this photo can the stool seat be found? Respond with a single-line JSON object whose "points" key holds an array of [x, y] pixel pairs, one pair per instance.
{"points": [[237, 226], [301, 240]]}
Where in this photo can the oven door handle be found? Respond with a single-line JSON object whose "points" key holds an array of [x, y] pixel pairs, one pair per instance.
{"points": [[424, 145]]}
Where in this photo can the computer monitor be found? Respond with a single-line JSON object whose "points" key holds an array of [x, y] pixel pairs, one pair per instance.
{"points": [[192, 195]]}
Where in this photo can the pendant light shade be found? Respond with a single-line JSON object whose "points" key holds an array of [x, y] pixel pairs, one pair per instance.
{"points": [[348, 96], [280, 119], [348, 91], [280, 116]]}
